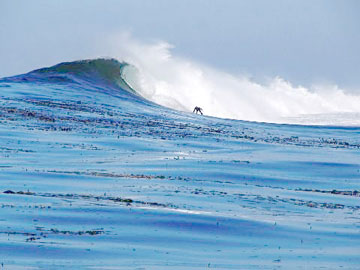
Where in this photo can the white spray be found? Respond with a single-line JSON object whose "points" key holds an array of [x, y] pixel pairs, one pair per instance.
{"points": [[183, 84]]}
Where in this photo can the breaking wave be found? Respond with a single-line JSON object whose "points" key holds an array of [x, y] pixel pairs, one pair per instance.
{"points": [[223, 95], [155, 74], [182, 85], [179, 83]]}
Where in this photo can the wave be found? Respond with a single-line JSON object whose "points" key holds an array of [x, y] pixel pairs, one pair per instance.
{"points": [[182, 85]]}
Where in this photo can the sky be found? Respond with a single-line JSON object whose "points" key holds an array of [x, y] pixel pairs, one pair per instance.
{"points": [[304, 42]]}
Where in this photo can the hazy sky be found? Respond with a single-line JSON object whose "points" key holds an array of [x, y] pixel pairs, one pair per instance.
{"points": [[304, 42]]}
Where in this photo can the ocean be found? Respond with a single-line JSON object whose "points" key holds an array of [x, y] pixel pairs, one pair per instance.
{"points": [[97, 173]]}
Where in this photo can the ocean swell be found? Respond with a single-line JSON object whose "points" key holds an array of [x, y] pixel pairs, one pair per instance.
{"points": [[181, 85]]}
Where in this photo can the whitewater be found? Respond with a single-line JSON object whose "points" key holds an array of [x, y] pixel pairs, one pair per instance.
{"points": [[103, 166], [181, 84]]}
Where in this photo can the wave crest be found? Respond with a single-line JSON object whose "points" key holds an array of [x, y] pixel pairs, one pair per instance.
{"points": [[100, 70]]}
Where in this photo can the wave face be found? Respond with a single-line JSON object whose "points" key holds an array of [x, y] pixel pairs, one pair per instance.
{"points": [[103, 73], [106, 70], [182, 84]]}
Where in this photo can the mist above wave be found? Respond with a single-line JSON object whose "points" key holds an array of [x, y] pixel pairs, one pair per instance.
{"points": [[181, 84]]}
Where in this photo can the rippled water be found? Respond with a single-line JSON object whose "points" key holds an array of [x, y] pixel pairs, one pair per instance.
{"points": [[98, 178]]}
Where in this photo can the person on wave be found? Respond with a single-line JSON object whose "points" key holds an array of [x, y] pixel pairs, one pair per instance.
{"points": [[197, 110]]}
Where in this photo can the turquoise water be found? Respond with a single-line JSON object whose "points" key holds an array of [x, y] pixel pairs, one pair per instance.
{"points": [[95, 177]]}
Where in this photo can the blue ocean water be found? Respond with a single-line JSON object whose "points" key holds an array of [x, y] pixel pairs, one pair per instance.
{"points": [[94, 176]]}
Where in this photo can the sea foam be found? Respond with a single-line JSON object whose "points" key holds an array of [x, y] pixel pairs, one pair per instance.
{"points": [[182, 84]]}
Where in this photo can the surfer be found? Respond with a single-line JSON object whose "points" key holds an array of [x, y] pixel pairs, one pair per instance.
{"points": [[197, 110]]}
